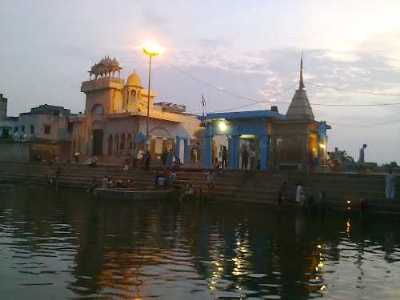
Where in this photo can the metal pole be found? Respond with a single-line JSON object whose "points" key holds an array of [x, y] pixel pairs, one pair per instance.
{"points": [[148, 107]]}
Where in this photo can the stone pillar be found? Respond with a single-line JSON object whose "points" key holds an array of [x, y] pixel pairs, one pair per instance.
{"points": [[186, 155], [207, 148], [234, 149], [177, 146], [264, 151]]}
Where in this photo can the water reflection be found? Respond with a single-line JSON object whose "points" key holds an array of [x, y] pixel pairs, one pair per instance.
{"points": [[66, 244]]}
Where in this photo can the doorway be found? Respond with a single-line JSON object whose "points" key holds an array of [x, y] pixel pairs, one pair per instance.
{"points": [[249, 153], [97, 146]]}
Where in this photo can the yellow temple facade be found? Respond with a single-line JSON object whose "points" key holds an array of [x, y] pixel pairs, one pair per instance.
{"points": [[113, 127]]}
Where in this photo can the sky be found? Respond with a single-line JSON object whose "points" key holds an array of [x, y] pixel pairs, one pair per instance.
{"points": [[241, 55]]}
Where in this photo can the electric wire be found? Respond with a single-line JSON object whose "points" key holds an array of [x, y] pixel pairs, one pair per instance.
{"points": [[255, 101]]}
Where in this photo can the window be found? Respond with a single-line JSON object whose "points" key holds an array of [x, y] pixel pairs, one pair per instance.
{"points": [[23, 128], [70, 127], [98, 109], [47, 129], [15, 129], [32, 129]]}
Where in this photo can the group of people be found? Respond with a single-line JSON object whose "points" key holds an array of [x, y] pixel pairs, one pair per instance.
{"points": [[169, 159], [143, 157], [304, 200], [248, 157], [165, 178], [53, 179], [311, 202], [221, 162], [109, 182]]}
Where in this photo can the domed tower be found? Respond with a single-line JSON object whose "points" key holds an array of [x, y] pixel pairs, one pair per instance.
{"points": [[104, 90], [300, 108], [133, 88], [135, 95]]}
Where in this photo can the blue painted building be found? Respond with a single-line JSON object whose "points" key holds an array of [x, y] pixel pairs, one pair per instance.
{"points": [[266, 139], [240, 128]]}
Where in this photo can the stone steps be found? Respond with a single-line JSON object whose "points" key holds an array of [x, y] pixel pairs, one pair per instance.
{"points": [[248, 187]]}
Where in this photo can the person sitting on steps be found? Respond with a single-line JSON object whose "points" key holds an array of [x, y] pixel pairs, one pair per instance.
{"points": [[282, 194]]}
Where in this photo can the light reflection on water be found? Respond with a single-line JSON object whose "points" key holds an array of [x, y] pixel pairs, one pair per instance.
{"points": [[68, 245]]}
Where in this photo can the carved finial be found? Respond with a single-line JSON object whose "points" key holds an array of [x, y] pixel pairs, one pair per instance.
{"points": [[106, 66], [301, 83]]}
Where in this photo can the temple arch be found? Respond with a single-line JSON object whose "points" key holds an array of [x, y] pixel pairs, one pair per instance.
{"points": [[161, 132]]}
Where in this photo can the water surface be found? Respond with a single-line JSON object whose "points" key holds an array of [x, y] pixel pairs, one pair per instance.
{"points": [[65, 244]]}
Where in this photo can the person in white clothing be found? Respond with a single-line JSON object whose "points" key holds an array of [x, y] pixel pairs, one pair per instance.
{"points": [[300, 194], [390, 185]]}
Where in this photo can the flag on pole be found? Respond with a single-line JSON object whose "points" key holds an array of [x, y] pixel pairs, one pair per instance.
{"points": [[203, 105], [203, 110]]}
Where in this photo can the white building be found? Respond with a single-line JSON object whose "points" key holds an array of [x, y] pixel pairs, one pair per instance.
{"points": [[43, 132], [42, 123]]}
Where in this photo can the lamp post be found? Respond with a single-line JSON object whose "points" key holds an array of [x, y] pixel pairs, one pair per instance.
{"points": [[150, 49]]}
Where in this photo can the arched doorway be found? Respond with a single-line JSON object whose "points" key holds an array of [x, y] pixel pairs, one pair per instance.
{"points": [[97, 145], [160, 141]]}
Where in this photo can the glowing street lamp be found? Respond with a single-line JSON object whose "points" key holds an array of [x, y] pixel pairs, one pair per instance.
{"points": [[151, 49], [222, 126]]}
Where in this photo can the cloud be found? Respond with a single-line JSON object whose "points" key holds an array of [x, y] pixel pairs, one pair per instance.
{"points": [[152, 17]]}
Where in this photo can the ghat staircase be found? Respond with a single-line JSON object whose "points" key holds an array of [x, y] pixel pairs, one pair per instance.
{"points": [[240, 186]]}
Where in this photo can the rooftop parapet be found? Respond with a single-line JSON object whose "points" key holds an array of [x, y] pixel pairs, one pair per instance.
{"points": [[101, 84]]}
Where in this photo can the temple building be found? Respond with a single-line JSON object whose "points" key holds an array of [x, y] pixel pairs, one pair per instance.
{"points": [[113, 127], [267, 139]]}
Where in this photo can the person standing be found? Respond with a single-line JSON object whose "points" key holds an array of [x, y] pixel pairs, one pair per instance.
{"points": [[224, 157], [300, 194], [245, 157], [140, 155], [252, 156], [76, 156], [193, 155], [282, 193], [210, 180], [164, 156], [390, 185], [169, 159], [147, 159], [361, 158]]}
